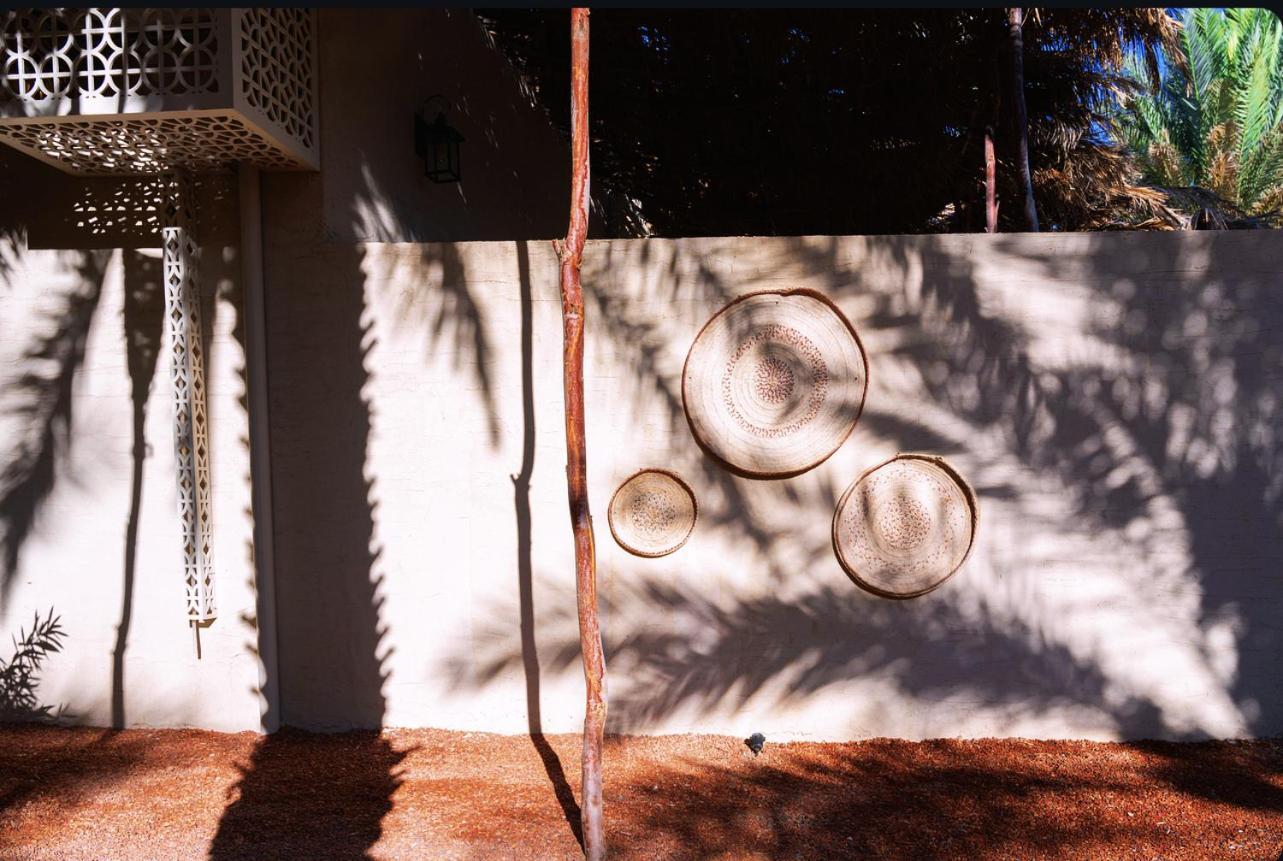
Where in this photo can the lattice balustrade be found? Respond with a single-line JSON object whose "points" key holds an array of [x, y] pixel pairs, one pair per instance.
{"points": [[137, 91]]}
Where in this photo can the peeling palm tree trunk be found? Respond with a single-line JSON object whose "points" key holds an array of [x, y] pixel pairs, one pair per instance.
{"points": [[570, 254], [1016, 42], [991, 192]]}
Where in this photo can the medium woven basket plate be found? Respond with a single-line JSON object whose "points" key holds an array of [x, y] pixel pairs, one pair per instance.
{"points": [[652, 513], [774, 383], [905, 526]]}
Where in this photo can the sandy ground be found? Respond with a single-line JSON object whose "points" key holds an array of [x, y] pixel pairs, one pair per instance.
{"points": [[426, 794]]}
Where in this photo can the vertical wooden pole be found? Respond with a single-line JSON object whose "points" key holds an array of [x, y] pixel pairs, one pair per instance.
{"points": [[1016, 42], [570, 254]]}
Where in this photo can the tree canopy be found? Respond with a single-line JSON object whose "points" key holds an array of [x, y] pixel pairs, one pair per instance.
{"points": [[787, 122], [1210, 131]]}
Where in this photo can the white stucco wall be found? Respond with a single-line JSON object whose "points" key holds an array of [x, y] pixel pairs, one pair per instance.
{"points": [[1112, 398], [80, 547]]}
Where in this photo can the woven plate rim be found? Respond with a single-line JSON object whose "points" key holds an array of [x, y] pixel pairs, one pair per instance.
{"points": [[650, 554], [972, 503]]}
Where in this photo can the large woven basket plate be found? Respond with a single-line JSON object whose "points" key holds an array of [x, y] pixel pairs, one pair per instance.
{"points": [[652, 513], [905, 526], [774, 383]]}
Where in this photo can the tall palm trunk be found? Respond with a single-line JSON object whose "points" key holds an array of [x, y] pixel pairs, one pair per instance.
{"points": [[1016, 43], [991, 191], [572, 314]]}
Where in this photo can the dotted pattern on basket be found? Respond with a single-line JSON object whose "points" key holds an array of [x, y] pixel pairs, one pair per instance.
{"points": [[904, 525], [902, 533], [773, 380], [653, 514], [769, 383]]}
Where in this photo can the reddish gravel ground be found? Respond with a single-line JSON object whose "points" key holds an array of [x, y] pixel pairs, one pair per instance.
{"points": [[425, 794]]}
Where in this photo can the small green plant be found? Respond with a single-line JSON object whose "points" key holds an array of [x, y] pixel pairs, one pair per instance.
{"points": [[20, 675]]}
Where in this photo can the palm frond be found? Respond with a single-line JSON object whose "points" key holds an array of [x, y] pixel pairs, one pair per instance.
{"points": [[1262, 168], [1217, 124], [1206, 45], [1257, 99], [1222, 169], [1270, 204]]}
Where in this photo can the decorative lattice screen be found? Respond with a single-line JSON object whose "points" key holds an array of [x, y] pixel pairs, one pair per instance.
{"points": [[165, 93], [187, 369], [137, 91]]}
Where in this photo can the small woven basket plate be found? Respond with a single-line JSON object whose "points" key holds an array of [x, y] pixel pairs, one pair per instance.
{"points": [[774, 383], [652, 513], [905, 526]]}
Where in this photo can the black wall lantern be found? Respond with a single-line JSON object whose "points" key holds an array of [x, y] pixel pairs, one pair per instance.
{"points": [[437, 144]]}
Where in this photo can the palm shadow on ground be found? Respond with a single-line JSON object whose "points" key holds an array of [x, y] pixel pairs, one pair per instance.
{"points": [[952, 799]]}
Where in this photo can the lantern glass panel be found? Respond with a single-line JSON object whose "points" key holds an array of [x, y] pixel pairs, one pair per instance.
{"points": [[438, 144]]}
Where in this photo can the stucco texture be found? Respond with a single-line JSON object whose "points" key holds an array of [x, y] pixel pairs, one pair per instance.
{"points": [[1113, 399]]}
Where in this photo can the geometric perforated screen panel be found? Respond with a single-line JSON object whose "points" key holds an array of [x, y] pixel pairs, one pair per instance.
{"points": [[140, 91], [187, 375]]}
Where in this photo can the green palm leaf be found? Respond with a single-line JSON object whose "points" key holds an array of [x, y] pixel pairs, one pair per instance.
{"points": [[1218, 114]]}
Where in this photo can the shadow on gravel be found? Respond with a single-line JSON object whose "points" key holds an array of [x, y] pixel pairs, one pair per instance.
{"points": [[956, 799], [306, 795]]}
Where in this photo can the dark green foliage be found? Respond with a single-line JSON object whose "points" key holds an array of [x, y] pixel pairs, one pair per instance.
{"points": [[1210, 131], [20, 675], [788, 122]]}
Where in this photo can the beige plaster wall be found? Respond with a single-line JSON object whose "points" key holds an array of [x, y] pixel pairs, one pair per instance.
{"points": [[1114, 399], [88, 510]]}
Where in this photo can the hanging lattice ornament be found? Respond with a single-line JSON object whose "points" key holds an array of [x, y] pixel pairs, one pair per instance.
{"points": [[187, 370], [137, 91]]}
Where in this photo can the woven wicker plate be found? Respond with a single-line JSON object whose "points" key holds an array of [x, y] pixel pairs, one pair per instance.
{"points": [[774, 383], [905, 526], [652, 513]]}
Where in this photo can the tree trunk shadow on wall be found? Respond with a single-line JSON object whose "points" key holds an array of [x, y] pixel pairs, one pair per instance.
{"points": [[330, 640], [287, 804], [525, 585], [144, 300]]}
